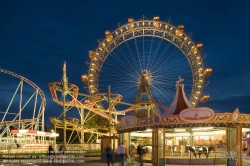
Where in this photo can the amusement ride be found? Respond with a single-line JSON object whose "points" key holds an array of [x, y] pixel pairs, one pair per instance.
{"points": [[145, 62], [26, 99], [140, 61]]}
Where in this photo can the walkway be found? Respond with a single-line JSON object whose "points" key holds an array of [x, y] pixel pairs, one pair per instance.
{"points": [[88, 161]]}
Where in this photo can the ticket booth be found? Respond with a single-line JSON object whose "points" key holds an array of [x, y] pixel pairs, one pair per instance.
{"points": [[109, 140]]}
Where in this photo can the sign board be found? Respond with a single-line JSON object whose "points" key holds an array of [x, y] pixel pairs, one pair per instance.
{"points": [[200, 114]]}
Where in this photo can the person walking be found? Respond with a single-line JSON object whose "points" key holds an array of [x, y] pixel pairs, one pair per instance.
{"points": [[132, 150], [121, 152], [61, 152], [51, 155], [126, 157], [108, 151], [140, 152]]}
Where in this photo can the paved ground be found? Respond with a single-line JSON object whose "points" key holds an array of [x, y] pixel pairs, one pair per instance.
{"points": [[88, 161]]}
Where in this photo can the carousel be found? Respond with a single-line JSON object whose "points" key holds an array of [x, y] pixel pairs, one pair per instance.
{"points": [[188, 135]]}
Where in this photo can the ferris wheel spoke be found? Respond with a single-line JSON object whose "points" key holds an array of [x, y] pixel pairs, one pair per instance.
{"points": [[150, 50], [117, 69], [156, 52], [138, 54], [168, 61], [127, 55], [120, 57], [132, 56], [159, 59]]}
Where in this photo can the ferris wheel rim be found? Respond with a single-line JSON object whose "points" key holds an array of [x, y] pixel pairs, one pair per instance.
{"points": [[184, 43]]}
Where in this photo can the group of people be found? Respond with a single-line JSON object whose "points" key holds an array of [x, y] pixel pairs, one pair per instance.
{"points": [[122, 152], [51, 155]]}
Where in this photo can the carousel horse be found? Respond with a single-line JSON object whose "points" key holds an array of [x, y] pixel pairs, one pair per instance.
{"points": [[133, 150], [147, 149], [200, 150], [192, 150], [244, 150], [210, 148]]}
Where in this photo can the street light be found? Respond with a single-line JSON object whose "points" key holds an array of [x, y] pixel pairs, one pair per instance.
{"points": [[54, 141]]}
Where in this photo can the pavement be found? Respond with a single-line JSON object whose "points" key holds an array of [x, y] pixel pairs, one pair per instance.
{"points": [[87, 161]]}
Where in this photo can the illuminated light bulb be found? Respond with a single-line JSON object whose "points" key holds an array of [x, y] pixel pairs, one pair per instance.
{"points": [[198, 57], [130, 20]]}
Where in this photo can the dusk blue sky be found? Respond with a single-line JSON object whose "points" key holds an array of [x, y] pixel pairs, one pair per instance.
{"points": [[37, 36]]}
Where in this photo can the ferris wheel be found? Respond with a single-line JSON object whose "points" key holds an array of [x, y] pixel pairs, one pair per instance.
{"points": [[22, 104], [161, 49]]}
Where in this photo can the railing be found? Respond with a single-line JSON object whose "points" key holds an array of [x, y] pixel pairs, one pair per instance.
{"points": [[24, 146], [201, 155], [86, 147]]}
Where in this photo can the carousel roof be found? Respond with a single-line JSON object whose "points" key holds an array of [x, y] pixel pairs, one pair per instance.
{"points": [[179, 103]]}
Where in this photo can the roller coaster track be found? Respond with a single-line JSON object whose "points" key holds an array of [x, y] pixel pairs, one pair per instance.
{"points": [[38, 90], [29, 82], [73, 124], [91, 105]]}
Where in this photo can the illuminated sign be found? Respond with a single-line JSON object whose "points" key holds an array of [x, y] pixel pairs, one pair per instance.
{"points": [[198, 115], [129, 121]]}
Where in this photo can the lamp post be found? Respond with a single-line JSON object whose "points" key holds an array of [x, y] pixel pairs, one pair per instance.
{"points": [[54, 140]]}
